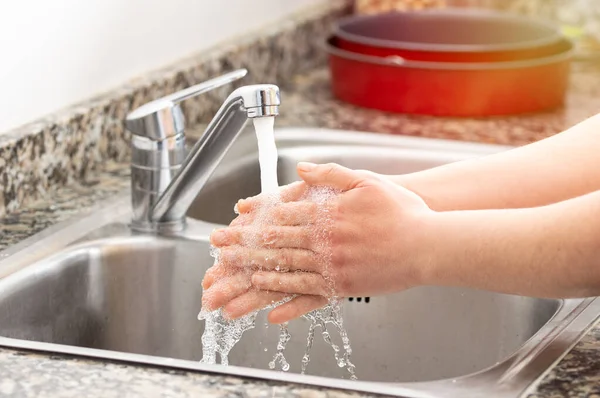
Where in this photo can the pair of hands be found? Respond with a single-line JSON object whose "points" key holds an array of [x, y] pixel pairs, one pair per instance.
{"points": [[372, 245]]}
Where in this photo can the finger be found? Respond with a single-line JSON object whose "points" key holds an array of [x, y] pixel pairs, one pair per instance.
{"points": [[295, 308], [244, 206], [295, 213], [219, 237], [331, 175], [265, 236], [285, 214], [224, 290], [216, 272], [253, 300], [293, 283], [293, 191], [243, 219], [286, 193], [271, 259], [212, 274]]}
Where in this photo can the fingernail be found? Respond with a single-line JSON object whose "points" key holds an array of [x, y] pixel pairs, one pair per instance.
{"points": [[230, 313], [244, 205], [258, 279], [233, 257], [226, 256], [218, 236], [207, 304], [306, 166]]}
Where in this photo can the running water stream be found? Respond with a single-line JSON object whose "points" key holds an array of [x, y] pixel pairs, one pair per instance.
{"points": [[220, 334]]}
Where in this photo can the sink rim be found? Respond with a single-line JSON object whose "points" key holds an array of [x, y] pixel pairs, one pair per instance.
{"points": [[511, 377]]}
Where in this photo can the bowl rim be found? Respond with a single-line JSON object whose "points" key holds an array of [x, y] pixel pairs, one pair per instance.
{"points": [[554, 35], [399, 62]]}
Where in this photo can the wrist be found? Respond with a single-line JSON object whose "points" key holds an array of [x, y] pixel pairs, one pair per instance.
{"points": [[415, 182], [449, 244], [426, 247]]}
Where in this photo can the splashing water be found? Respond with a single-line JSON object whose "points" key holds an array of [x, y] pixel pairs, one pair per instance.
{"points": [[284, 337], [332, 312], [220, 334]]}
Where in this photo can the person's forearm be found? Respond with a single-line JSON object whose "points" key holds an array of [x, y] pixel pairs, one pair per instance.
{"points": [[550, 251], [548, 171]]}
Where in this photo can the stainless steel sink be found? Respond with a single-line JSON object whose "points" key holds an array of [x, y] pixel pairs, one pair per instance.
{"points": [[92, 287]]}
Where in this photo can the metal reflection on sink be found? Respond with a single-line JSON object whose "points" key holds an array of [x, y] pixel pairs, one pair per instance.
{"points": [[93, 287]]}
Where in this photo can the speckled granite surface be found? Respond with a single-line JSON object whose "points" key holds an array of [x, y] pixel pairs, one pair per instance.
{"points": [[60, 204], [57, 168], [32, 375], [577, 375]]}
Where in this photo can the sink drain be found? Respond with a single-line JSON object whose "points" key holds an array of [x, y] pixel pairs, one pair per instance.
{"points": [[359, 299]]}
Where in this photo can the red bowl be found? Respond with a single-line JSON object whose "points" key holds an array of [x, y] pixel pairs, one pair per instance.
{"points": [[449, 35], [450, 89]]}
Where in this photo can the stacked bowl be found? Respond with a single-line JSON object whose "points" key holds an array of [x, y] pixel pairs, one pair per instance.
{"points": [[449, 62]]}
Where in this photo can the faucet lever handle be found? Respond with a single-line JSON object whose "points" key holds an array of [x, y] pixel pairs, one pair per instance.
{"points": [[163, 118], [206, 86]]}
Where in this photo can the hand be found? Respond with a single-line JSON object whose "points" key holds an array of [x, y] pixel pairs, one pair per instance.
{"points": [[228, 283], [372, 246]]}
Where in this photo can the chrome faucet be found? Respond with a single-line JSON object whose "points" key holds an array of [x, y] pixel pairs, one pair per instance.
{"points": [[164, 181]]}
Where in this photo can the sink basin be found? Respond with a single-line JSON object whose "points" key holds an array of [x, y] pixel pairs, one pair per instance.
{"points": [[141, 295], [92, 287]]}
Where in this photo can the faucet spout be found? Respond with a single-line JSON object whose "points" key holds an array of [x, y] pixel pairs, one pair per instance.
{"points": [[244, 103], [164, 180]]}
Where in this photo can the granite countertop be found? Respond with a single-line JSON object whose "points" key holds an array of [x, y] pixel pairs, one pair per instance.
{"points": [[32, 374]]}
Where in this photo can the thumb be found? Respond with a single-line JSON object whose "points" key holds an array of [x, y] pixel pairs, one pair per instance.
{"points": [[331, 175]]}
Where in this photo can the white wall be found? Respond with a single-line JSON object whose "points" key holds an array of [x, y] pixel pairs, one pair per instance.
{"points": [[54, 53]]}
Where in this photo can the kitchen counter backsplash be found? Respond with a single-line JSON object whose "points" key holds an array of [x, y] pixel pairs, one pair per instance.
{"points": [[70, 144]]}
